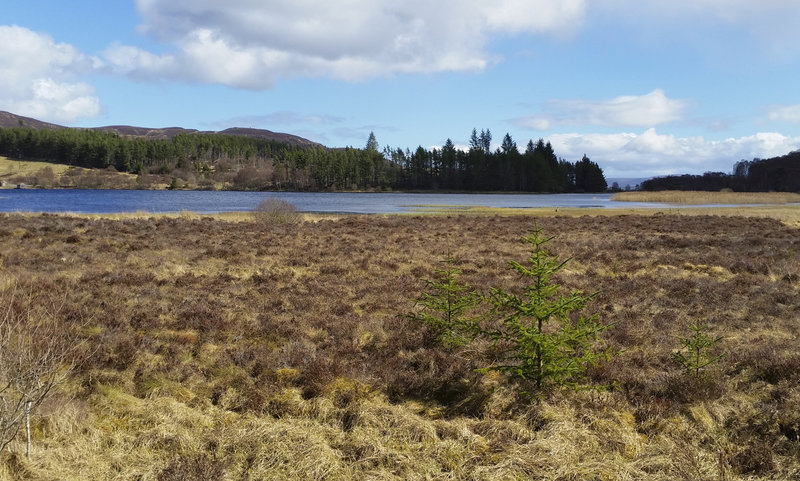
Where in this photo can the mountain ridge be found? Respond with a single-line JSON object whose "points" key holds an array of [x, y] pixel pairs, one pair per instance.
{"points": [[11, 120]]}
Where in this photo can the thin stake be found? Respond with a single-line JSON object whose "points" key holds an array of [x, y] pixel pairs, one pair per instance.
{"points": [[28, 427]]}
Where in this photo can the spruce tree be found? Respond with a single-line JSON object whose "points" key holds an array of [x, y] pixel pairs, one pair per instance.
{"points": [[539, 339], [448, 307], [542, 342]]}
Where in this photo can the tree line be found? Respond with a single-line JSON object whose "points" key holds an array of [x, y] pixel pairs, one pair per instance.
{"points": [[537, 169], [242, 162], [778, 174], [99, 149]]}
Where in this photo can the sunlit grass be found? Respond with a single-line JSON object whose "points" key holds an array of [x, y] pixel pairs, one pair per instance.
{"points": [[702, 197], [15, 172], [9, 168], [789, 214]]}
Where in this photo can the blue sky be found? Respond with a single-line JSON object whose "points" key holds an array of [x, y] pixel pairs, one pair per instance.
{"points": [[644, 88]]}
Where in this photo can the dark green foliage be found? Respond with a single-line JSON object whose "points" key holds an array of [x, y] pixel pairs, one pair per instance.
{"points": [[589, 176], [448, 307], [249, 163], [542, 341], [97, 149], [538, 169], [372, 142], [778, 174], [697, 352], [538, 340]]}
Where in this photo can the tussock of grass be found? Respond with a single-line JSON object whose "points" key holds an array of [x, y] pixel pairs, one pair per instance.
{"points": [[131, 437]]}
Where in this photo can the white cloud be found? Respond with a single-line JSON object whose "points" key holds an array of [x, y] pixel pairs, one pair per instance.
{"points": [[772, 23], [38, 77], [532, 16], [252, 43], [647, 110], [785, 113], [651, 153], [134, 61]]}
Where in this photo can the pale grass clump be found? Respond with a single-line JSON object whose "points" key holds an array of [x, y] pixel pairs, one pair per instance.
{"points": [[570, 446], [122, 437], [371, 336], [282, 449]]}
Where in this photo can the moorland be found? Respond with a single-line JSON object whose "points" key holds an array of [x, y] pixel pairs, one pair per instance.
{"points": [[213, 349]]}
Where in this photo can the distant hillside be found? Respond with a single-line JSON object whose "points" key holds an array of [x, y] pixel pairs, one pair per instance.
{"points": [[9, 120], [257, 159], [147, 132], [269, 135]]}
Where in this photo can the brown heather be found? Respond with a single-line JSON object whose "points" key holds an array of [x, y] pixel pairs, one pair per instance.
{"points": [[230, 351]]}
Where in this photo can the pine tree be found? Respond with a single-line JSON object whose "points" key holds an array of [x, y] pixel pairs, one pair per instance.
{"points": [[372, 143], [541, 343], [539, 340], [696, 354], [448, 307]]}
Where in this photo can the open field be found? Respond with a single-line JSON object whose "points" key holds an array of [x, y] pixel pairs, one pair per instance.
{"points": [[49, 175], [699, 198], [13, 168], [236, 350]]}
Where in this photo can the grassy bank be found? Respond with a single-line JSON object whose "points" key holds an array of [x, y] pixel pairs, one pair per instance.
{"points": [[235, 350], [49, 175], [700, 198], [10, 170]]}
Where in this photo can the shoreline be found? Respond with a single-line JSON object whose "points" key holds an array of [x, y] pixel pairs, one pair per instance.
{"points": [[788, 214]]}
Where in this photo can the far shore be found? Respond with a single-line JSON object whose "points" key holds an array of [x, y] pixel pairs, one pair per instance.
{"points": [[786, 213]]}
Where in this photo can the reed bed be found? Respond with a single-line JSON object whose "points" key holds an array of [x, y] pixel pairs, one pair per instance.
{"points": [[702, 197]]}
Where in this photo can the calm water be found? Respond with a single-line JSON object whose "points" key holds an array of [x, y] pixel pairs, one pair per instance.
{"points": [[209, 202]]}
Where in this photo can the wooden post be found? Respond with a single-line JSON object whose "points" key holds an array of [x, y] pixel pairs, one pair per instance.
{"points": [[28, 427]]}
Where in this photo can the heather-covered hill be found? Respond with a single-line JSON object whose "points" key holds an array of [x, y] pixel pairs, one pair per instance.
{"points": [[9, 120]]}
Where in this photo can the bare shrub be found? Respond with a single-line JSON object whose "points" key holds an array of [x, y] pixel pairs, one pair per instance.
{"points": [[250, 178], [45, 177], [274, 211], [36, 353]]}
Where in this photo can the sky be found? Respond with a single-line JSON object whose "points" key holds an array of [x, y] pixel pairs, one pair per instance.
{"points": [[642, 87]]}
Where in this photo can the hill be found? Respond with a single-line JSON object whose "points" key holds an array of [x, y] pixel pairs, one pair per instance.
{"points": [[10, 120], [259, 159]]}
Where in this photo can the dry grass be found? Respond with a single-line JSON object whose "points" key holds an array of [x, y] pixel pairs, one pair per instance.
{"points": [[48, 175], [236, 350], [701, 197], [786, 213], [12, 168]]}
